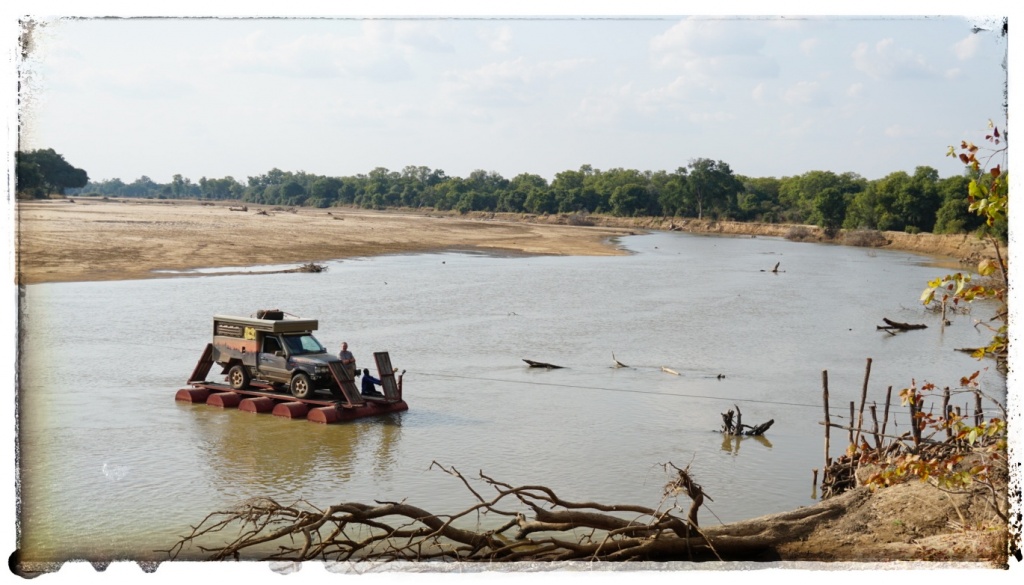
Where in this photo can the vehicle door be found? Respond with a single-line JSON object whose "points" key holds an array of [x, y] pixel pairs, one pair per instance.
{"points": [[273, 362]]}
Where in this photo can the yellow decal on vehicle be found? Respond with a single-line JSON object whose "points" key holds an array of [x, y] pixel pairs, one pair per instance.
{"points": [[250, 333]]}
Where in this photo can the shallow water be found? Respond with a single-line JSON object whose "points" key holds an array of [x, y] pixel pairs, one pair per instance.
{"points": [[113, 467]]}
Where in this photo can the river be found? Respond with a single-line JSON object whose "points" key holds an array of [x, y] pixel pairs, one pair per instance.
{"points": [[112, 467]]}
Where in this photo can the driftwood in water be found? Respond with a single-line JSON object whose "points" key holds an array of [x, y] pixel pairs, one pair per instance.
{"points": [[617, 363], [311, 267], [737, 428], [669, 371], [534, 364], [891, 325], [774, 270]]}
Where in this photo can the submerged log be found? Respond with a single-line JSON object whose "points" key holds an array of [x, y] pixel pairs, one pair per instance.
{"points": [[534, 364], [895, 325]]}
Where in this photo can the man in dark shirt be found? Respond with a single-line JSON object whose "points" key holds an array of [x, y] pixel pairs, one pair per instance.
{"points": [[368, 383]]}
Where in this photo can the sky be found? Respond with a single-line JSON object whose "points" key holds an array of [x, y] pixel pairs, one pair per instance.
{"points": [[215, 97]]}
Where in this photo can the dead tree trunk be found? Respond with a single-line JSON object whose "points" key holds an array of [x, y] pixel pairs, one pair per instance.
{"points": [[738, 428]]}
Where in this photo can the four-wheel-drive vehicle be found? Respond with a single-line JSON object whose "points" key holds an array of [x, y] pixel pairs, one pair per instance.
{"points": [[273, 349]]}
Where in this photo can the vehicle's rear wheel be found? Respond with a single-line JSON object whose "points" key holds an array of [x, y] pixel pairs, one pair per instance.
{"points": [[238, 377], [301, 387]]}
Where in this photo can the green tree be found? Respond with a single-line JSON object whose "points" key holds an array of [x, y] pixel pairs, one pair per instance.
{"points": [[540, 201], [711, 187], [954, 215], [830, 208], [41, 172], [799, 194], [628, 200], [759, 200]]}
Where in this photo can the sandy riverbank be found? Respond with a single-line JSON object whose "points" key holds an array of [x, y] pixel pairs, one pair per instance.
{"points": [[60, 241], [93, 239]]}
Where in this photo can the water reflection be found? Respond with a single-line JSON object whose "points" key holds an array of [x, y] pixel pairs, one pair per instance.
{"points": [[385, 434], [731, 443], [264, 452]]}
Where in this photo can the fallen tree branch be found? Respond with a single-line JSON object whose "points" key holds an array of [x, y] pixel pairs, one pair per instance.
{"points": [[549, 529]]}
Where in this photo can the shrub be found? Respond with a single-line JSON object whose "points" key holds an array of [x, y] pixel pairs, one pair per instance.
{"points": [[580, 218], [865, 239], [799, 233]]}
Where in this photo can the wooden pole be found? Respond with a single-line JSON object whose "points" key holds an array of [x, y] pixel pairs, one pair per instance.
{"points": [[874, 418], [915, 430], [863, 399], [978, 414], [946, 412], [852, 420], [885, 417], [824, 392]]}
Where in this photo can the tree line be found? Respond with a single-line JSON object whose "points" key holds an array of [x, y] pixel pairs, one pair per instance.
{"points": [[704, 189]]}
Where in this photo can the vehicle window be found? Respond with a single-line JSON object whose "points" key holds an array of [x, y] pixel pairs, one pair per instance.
{"points": [[300, 344], [270, 345]]}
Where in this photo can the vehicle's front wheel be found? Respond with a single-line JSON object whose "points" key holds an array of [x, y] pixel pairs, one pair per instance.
{"points": [[238, 377], [301, 387]]}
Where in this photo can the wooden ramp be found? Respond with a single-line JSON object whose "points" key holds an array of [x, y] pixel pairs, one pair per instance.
{"points": [[203, 365], [392, 392], [349, 391]]}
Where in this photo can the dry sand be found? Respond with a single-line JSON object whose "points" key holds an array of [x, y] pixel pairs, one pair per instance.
{"points": [[95, 239], [61, 241]]}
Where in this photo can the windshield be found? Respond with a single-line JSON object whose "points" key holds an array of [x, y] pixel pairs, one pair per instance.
{"points": [[300, 344]]}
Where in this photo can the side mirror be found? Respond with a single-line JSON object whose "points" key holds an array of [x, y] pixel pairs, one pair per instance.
{"points": [[279, 353]]}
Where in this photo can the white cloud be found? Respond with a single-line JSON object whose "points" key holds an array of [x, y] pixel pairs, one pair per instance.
{"points": [[499, 39], [758, 92], [705, 118], [806, 93], [898, 131], [967, 47], [807, 46], [513, 81], [378, 50], [886, 60], [855, 90], [713, 48]]}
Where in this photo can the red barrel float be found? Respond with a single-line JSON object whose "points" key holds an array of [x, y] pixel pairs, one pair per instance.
{"points": [[260, 404], [324, 415], [194, 395], [224, 399], [290, 410]]}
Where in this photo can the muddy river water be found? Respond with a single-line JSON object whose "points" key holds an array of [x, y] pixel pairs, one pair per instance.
{"points": [[111, 466]]}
